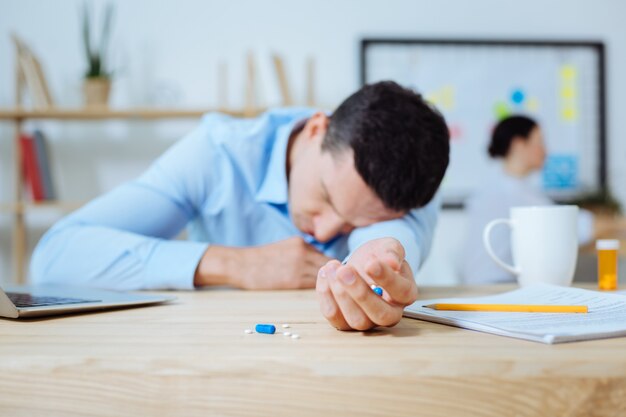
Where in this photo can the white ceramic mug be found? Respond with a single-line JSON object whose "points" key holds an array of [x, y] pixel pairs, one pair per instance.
{"points": [[544, 244]]}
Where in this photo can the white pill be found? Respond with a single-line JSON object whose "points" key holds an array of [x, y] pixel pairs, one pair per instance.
{"points": [[286, 334], [286, 326], [295, 336], [373, 286], [248, 331]]}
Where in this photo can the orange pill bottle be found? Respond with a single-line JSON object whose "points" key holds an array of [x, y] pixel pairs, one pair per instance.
{"points": [[607, 263]]}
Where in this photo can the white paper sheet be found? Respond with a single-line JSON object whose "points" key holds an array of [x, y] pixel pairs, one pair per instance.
{"points": [[606, 316]]}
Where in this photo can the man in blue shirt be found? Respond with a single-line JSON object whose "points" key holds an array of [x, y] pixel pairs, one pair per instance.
{"points": [[272, 203]]}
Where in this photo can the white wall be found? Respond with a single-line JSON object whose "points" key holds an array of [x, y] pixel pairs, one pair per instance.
{"points": [[166, 53]]}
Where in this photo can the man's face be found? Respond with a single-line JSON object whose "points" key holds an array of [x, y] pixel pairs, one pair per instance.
{"points": [[327, 196]]}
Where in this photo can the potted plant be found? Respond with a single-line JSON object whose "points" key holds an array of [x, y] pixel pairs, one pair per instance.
{"points": [[97, 83]]}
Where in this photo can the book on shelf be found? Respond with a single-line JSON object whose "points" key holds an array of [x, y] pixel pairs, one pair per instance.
{"points": [[36, 166], [43, 160]]}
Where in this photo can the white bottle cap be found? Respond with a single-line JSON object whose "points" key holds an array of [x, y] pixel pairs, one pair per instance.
{"points": [[607, 244]]}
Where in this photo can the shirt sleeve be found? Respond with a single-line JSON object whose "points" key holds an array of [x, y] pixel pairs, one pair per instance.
{"points": [[123, 239], [415, 231]]}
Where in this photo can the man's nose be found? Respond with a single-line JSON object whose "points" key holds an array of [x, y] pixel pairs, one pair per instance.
{"points": [[328, 227]]}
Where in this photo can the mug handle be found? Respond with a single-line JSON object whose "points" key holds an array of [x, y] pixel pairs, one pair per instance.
{"points": [[487, 243]]}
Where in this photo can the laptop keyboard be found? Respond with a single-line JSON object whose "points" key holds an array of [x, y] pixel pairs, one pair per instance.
{"points": [[22, 300]]}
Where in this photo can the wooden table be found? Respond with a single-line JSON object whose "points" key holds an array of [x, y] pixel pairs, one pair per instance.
{"points": [[192, 358]]}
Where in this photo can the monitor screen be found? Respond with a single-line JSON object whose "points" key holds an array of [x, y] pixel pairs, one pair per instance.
{"points": [[476, 83]]}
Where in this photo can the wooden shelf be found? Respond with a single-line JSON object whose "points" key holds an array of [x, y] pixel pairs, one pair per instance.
{"points": [[52, 205], [101, 113]]}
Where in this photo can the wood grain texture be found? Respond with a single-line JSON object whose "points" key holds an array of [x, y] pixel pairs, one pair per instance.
{"points": [[192, 358]]}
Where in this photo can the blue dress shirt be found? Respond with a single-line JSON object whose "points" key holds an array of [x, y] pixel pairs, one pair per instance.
{"points": [[226, 182]]}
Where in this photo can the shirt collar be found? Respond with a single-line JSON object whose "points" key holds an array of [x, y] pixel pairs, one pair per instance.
{"points": [[274, 188]]}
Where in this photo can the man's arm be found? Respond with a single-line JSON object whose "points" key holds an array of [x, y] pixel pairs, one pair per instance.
{"points": [[287, 264], [122, 239], [344, 293], [414, 231]]}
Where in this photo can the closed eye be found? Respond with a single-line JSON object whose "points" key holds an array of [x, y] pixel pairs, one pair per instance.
{"points": [[332, 206]]}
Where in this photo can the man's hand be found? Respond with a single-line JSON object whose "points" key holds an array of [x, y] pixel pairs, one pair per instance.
{"points": [[287, 264], [346, 298]]}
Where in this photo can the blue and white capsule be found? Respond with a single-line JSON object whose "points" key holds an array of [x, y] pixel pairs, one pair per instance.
{"points": [[376, 289]]}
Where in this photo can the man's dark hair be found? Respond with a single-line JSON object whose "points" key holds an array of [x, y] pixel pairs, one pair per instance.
{"points": [[506, 130], [401, 143]]}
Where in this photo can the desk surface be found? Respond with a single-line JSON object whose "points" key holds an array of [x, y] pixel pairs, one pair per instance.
{"points": [[192, 358]]}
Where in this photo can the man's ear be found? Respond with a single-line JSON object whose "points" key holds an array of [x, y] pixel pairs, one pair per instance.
{"points": [[316, 127]]}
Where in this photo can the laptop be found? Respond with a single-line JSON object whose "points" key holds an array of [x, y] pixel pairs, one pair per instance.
{"points": [[37, 301]]}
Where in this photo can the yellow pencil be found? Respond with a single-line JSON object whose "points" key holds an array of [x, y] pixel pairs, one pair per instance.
{"points": [[517, 308]]}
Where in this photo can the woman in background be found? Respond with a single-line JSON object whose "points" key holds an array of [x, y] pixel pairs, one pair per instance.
{"points": [[518, 142]]}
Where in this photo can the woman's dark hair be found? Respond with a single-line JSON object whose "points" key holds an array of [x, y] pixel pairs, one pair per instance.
{"points": [[401, 144], [506, 130]]}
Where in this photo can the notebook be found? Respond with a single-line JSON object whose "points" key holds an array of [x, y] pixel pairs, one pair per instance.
{"points": [[606, 317]]}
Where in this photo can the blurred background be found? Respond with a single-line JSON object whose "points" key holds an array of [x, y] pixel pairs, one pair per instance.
{"points": [[475, 60]]}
